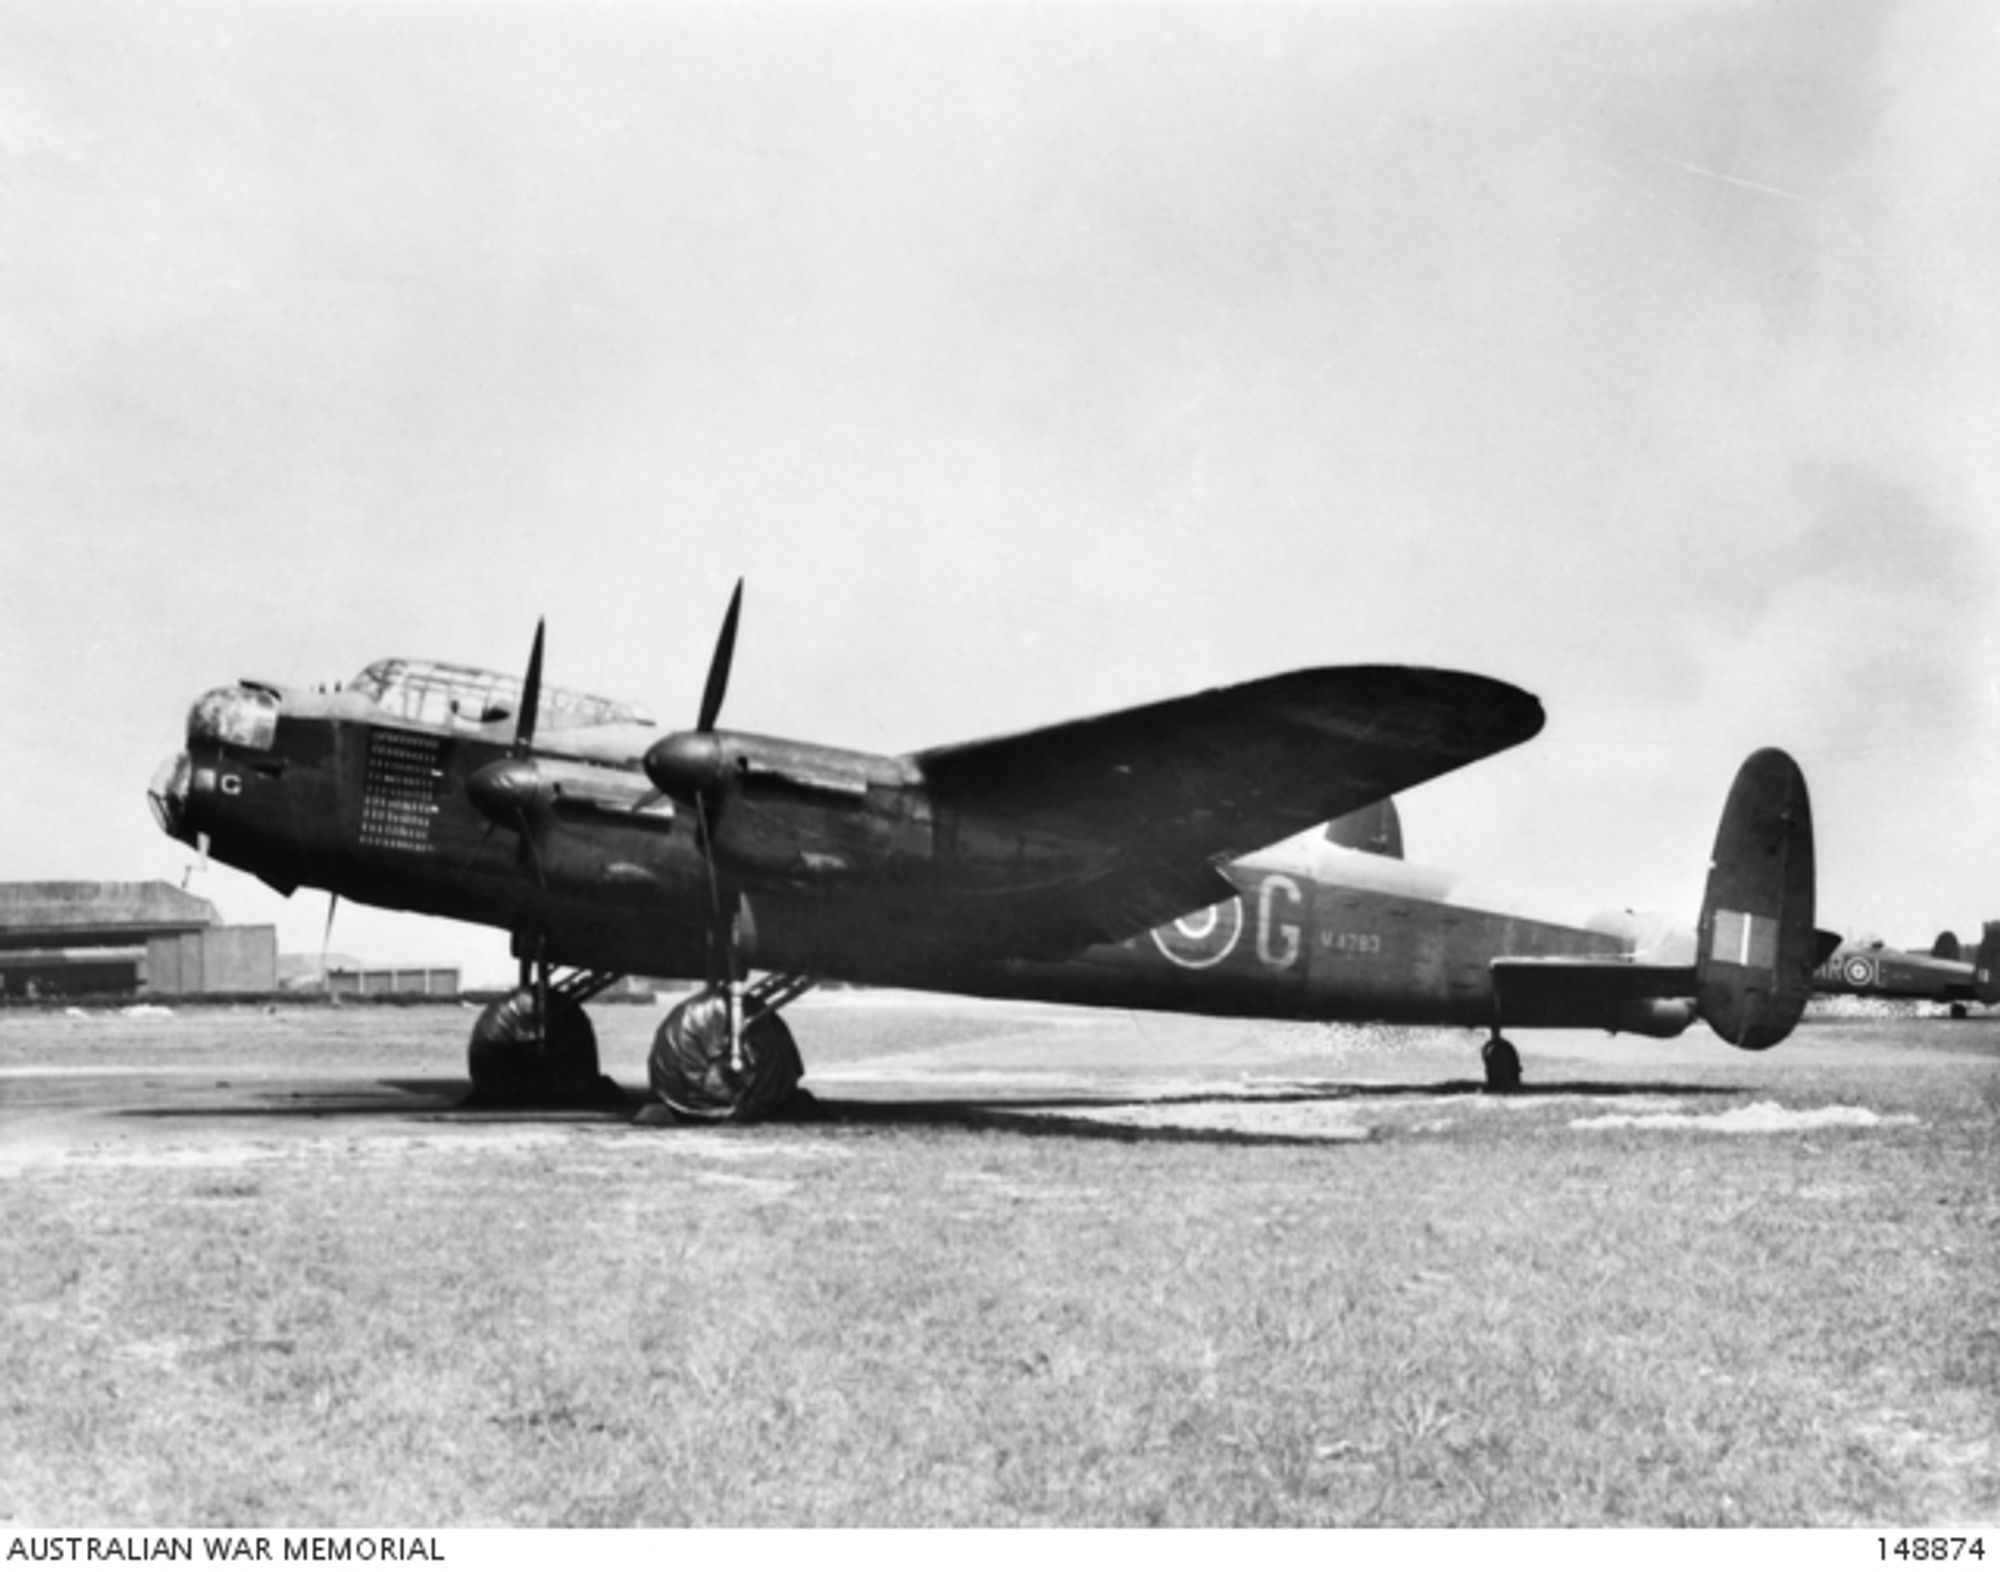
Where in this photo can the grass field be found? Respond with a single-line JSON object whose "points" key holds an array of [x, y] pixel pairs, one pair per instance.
{"points": [[293, 1295]]}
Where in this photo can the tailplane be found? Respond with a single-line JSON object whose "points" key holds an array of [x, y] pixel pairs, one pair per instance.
{"points": [[1756, 943]]}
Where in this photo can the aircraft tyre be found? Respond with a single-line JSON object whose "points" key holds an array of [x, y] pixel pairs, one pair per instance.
{"points": [[515, 1064], [690, 1070], [1503, 1065]]}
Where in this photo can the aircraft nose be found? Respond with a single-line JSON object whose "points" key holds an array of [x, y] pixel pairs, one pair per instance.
{"points": [[168, 794]]}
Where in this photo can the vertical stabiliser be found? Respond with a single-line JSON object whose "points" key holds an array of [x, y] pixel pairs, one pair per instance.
{"points": [[1377, 828], [1986, 966], [1753, 971]]}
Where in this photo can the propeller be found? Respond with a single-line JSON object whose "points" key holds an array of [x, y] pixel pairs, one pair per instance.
{"points": [[510, 791], [722, 938], [689, 767]]}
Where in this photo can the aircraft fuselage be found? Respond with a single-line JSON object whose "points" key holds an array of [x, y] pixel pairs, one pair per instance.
{"points": [[1327, 937], [1873, 970]]}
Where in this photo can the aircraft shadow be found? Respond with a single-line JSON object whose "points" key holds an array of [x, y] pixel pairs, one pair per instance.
{"points": [[1066, 1116], [420, 1098], [1373, 1091]]}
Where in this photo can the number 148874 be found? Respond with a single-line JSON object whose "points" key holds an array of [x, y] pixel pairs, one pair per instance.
{"points": [[1932, 1547]]}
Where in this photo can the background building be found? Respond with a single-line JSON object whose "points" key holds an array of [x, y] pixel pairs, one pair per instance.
{"points": [[346, 981], [61, 939]]}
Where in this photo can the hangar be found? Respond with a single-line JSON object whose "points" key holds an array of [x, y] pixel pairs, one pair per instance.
{"points": [[65, 938]]}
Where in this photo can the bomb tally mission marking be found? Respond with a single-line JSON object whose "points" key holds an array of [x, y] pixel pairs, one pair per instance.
{"points": [[1229, 852]]}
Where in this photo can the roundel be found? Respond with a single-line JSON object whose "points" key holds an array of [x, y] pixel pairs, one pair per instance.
{"points": [[1202, 938], [1858, 970]]}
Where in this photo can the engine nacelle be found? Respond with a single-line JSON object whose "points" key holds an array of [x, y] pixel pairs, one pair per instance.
{"points": [[794, 812]]}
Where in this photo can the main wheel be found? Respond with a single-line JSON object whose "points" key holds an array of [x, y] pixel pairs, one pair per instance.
{"points": [[690, 1065], [514, 1063], [1503, 1065]]}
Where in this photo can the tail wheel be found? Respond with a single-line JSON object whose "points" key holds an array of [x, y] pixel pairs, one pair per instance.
{"points": [[1503, 1065], [691, 1069], [515, 1062]]}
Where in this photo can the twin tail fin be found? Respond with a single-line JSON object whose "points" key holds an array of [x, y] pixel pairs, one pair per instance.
{"points": [[1756, 941]]}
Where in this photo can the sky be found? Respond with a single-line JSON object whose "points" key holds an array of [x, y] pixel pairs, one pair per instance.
{"points": [[1028, 361]]}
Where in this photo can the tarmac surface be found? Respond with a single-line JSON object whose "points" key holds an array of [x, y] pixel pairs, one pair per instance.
{"points": [[216, 1084]]}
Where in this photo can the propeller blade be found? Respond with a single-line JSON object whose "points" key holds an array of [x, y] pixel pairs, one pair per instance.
{"points": [[718, 667], [721, 940], [525, 848], [473, 856], [525, 854], [531, 697]]}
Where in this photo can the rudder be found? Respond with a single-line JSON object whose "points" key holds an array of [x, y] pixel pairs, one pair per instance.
{"points": [[1986, 966], [1753, 968]]}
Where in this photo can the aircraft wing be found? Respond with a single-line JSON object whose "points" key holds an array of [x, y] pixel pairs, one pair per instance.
{"points": [[1135, 809]]}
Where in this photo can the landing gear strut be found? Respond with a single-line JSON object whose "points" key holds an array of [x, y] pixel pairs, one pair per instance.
{"points": [[724, 1053], [1503, 1064], [535, 1048]]}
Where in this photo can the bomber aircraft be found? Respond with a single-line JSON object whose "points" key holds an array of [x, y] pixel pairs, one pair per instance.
{"points": [[1167, 857], [1868, 967]]}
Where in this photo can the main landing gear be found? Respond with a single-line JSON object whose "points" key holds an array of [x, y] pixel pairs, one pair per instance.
{"points": [[1503, 1064], [535, 1048], [721, 1054], [725, 1054]]}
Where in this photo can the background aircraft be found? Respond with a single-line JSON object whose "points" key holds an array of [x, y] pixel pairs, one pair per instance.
{"points": [[1149, 858], [1871, 969]]}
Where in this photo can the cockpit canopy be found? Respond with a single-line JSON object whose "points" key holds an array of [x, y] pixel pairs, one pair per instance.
{"points": [[465, 698]]}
